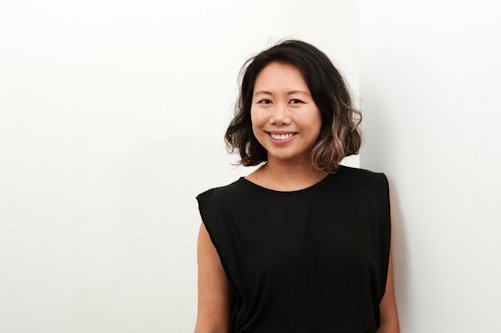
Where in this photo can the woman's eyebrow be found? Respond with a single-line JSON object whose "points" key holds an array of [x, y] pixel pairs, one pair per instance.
{"points": [[297, 92], [262, 92], [289, 93]]}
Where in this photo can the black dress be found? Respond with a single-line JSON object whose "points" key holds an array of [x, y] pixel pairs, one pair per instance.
{"points": [[307, 261]]}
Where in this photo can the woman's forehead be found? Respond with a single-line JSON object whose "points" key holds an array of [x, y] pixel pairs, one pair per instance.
{"points": [[282, 77]]}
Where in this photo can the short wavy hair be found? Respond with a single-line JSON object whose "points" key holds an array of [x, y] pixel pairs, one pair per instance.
{"points": [[339, 134]]}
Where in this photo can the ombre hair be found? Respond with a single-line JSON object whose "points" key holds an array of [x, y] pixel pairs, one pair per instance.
{"points": [[339, 134]]}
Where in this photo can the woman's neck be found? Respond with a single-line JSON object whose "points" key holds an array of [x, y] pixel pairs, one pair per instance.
{"points": [[281, 176]]}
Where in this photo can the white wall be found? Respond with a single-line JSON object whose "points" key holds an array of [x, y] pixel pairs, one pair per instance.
{"points": [[430, 93], [112, 116]]}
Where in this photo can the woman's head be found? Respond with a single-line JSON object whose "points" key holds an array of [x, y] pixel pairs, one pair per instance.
{"points": [[339, 134]]}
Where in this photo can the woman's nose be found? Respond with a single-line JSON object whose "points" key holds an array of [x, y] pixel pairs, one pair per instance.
{"points": [[280, 115]]}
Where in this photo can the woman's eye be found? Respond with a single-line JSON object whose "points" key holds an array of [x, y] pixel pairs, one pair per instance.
{"points": [[265, 101], [295, 101]]}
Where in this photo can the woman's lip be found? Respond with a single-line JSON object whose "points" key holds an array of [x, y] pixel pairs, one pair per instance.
{"points": [[280, 132]]}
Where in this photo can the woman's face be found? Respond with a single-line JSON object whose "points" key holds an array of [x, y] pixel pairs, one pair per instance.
{"points": [[285, 119]]}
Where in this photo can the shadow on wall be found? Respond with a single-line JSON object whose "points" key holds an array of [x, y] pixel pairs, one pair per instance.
{"points": [[376, 153], [151, 285], [399, 254]]}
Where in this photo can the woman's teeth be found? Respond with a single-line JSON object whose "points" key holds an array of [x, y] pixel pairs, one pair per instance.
{"points": [[282, 136]]}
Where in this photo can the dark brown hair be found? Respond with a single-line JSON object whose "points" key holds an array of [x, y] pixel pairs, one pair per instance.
{"points": [[339, 135]]}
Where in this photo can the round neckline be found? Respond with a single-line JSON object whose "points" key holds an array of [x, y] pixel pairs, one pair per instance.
{"points": [[330, 175]]}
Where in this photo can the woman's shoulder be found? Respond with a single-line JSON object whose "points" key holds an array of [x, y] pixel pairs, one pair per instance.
{"points": [[363, 177], [222, 192], [360, 173]]}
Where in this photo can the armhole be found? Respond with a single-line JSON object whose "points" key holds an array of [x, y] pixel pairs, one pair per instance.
{"points": [[386, 230], [207, 221], [386, 227], [221, 257]]}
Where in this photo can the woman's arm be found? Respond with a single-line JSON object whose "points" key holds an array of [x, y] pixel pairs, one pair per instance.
{"points": [[214, 294], [387, 307]]}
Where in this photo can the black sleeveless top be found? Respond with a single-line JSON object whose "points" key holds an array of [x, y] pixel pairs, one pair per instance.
{"points": [[307, 261]]}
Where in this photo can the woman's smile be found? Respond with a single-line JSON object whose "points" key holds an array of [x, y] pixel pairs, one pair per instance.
{"points": [[281, 138]]}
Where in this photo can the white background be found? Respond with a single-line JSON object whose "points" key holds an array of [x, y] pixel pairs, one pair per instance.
{"points": [[430, 91], [111, 121], [112, 116]]}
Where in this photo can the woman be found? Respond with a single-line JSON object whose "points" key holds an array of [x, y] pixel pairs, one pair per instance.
{"points": [[302, 244]]}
